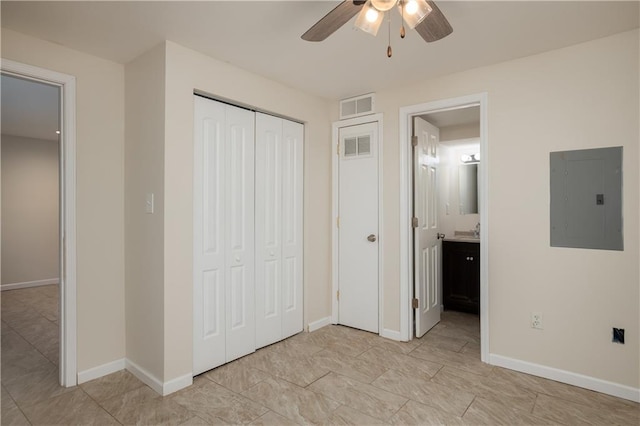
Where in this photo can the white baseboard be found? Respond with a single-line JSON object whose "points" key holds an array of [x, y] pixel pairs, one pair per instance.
{"points": [[575, 379], [176, 384], [316, 325], [144, 376], [27, 284], [101, 370], [154, 383], [391, 334]]}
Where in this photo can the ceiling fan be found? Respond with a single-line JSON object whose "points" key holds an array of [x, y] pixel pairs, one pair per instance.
{"points": [[422, 15]]}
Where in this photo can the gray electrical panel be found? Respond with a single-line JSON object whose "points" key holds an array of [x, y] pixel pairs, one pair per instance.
{"points": [[586, 198]]}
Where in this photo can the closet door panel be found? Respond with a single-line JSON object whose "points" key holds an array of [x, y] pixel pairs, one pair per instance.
{"points": [[248, 231], [209, 239], [292, 224], [268, 229], [239, 225]]}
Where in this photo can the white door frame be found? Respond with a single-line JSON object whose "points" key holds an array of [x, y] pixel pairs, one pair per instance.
{"points": [[67, 84], [373, 118], [406, 209]]}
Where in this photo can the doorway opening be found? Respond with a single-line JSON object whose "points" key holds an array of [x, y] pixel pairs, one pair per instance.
{"points": [[414, 285], [58, 306]]}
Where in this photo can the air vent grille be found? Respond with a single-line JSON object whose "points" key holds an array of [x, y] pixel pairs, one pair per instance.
{"points": [[357, 106]]}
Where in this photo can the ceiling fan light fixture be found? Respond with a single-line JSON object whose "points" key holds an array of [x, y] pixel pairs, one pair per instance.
{"points": [[383, 5], [414, 11], [369, 19], [372, 15]]}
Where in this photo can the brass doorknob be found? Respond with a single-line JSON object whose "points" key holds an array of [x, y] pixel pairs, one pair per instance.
{"points": [[372, 238]]}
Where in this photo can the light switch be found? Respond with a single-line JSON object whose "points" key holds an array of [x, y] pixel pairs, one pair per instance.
{"points": [[148, 205]]}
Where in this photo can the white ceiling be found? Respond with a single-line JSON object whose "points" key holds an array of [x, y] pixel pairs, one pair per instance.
{"points": [[264, 36], [29, 109], [454, 117]]}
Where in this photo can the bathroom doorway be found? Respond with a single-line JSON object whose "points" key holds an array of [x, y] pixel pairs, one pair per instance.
{"points": [[465, 129]]}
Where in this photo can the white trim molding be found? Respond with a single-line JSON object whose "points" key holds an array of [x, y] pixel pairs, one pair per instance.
{"points": [[163, 388], [101, 370], [67, 84], [27, 284], [406, 207], [391, 334], [316, 325], [568, 377], [176, 384], [147, 378], [336, 126]]}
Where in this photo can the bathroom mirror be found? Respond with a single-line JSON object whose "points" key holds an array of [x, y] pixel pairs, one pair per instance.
{"points": [[468, 188]]}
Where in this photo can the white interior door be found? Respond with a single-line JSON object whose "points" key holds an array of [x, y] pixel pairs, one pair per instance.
{"points": [[427, 246], [358, 227], [239, 220], [209, 239], [223, 294], [268, 229], [279, 191], [292, 227]]}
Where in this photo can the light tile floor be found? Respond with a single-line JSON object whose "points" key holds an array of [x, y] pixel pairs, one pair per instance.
{"points": [[336, 375]]}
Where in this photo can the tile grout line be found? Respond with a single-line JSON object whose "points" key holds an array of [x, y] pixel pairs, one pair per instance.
{"points": [[434, 375], [400, 409], [99, 404], [321, 377], [365, 384], [533, 408], [468, 406], [418, 402], [17, 406], [267, 407], [463, 346], [29, 340]]}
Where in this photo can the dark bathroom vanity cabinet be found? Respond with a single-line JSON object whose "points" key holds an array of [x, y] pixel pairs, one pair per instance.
{"points": [[461, 276]]}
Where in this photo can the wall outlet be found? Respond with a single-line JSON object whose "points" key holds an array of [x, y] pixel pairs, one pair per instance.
{"points": [[618, 335], [536, 320]]}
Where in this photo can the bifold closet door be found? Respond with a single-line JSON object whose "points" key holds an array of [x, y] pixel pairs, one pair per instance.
{"points": [[224, 282], [279, 190]]}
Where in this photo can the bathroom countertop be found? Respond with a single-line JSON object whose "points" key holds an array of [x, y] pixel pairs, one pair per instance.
{"points": [[463, 237]]}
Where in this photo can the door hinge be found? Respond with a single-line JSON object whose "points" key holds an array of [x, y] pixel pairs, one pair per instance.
{"points": [[338, 295], [338, 221], [414, 141], [338, 149], [63, 258], [415, 303], [414, 222]]}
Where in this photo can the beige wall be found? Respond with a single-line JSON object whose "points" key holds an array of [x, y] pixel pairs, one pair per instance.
{"points": [[99, 191], [188, 70], [29, 209], [584, 96], [144, 233]]}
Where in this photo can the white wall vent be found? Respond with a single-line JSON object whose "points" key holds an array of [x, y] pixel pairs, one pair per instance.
{"points": [[357, 106]]}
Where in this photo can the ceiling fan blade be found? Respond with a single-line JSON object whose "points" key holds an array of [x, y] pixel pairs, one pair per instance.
{"points": [[333, 20], [435, 26]]}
